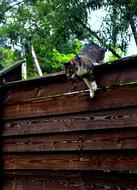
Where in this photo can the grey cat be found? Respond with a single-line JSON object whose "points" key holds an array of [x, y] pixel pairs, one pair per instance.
{"points": [[83, 65]]}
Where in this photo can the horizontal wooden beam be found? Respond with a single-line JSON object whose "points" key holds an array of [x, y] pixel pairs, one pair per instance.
{"points": [[107, 74], [119, 72], [120, 97], [91, 140], [111, 119], [77, 180], [70, 161], [22, 93]]}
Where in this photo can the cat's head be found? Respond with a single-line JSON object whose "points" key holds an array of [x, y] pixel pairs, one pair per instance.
{"points": [[70, 69]]}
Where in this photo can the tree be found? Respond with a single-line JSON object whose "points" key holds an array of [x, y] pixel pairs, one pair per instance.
{"points": [[120, 17], [55, 28], [115, 32], [35, 24]]}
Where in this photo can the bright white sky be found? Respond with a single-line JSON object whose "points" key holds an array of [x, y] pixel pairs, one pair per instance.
{"points": [[95, 22]]}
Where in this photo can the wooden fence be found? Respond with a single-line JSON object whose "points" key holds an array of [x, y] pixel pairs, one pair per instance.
{"points": [[55, 137]]}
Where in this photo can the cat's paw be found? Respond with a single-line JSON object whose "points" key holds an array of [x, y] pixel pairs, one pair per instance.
{"points": [[91, 94], [95, 63], [94, 86]]}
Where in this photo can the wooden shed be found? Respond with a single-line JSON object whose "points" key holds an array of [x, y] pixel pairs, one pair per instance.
{"points": [[55, 137]]}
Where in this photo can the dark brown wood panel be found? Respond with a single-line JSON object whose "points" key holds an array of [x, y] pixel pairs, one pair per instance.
{"points": [[12, 73], [53, 140], [119, 77], [80, 161], [119, 72], [1, 142], [76, 180], [20, 93], [119, 118], [122, 96], [93, 140]]}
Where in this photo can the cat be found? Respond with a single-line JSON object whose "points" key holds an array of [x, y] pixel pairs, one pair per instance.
{"points": [[83, 65]]}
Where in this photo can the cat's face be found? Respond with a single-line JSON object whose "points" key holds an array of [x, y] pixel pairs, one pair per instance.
{"points": [[70, 70]]}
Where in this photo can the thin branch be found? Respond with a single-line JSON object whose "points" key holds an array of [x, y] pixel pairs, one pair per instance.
{"points": [[98, 38], [11, 6]]}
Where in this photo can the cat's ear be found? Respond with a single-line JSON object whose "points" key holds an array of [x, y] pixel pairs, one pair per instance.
{"points": [[66, 64]]}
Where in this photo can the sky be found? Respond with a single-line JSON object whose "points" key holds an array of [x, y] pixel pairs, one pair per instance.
{"points": [[95, 22]]}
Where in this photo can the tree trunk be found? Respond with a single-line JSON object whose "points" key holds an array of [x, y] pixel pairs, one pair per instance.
{"points": [[134, 30], [36, 61]]}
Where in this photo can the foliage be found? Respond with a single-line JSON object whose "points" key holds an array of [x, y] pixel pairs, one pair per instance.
{"points": [[55, 28], [51, 60], [7, 57], [118, 23], [38, 24], [133, 172], [111, 57]]}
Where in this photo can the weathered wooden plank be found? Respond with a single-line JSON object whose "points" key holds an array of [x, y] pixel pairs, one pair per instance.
{"points": [[21, 93], [94, 140], [119, 118], [68, 180], [1, 142], [45, 121], [119, 72], [122, 96], [12, 73], [73, 161]]}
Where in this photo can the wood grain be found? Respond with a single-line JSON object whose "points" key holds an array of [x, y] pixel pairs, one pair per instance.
{"points": [[123, 96], [21, 93], [94, 140], [76, 180], [119, 118], [119, 72], [72, 161], [1, 142], [55, 137]]}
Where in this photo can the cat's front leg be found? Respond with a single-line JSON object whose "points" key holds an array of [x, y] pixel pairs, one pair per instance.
{"points": [[95, 64], [91, 93], [88, 83], [94, 86]]}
